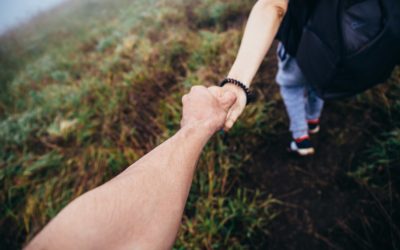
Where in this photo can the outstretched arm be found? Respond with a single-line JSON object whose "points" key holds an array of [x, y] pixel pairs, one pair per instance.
{"points": [[142, 207], [261, 28]]}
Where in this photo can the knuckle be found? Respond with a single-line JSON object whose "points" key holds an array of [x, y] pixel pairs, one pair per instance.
{"points": [[196, 87], [184, 98]]}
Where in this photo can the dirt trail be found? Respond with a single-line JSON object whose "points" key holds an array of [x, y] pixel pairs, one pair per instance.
{"points": [[323, 207]]}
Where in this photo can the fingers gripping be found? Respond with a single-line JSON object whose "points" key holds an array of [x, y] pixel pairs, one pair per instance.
{"points": [[227, 100], [232, 116], [216, 91]]}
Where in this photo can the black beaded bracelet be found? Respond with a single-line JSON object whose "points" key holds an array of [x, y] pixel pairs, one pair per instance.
{"points": [[249, 94]]}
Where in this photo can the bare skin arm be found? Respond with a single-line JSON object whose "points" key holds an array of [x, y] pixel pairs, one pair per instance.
{"points": [[261, 28], [142, 207]]}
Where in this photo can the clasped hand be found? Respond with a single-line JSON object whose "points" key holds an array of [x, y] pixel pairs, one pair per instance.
{"points": [[207, 108]]}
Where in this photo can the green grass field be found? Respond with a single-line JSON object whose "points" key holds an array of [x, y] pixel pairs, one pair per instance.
{"points": [[91, 86]]}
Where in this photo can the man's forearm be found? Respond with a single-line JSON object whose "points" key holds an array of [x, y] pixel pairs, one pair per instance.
{"points": [[144, 204], [260, 31]]}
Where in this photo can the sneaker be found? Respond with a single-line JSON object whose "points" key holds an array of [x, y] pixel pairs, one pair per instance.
{"points": [[313, 126], [302, 146]]}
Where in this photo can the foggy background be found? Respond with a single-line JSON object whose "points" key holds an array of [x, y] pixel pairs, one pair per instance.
{"points": [[14, 12]]}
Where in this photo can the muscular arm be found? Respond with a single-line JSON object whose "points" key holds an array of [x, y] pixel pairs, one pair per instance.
{"points": [[142, 207], [261, 28]]}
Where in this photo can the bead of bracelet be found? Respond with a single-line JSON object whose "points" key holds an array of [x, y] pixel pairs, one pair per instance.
{"points": [[239, 84]]}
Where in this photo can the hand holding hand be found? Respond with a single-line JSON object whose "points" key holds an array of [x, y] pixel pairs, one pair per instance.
{"points": [[206, 107], [238, 106]]}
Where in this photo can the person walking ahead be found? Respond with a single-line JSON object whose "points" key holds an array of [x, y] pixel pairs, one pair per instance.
{"points": [[328, 50]]}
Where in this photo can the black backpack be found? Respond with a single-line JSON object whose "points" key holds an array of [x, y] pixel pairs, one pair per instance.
{"points": [[343, 47]]}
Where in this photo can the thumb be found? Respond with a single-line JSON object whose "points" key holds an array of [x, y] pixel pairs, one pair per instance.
{"points": [[227, 99]]}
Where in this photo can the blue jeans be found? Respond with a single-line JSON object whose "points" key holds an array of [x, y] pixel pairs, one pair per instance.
{"points": [[301, 101]]}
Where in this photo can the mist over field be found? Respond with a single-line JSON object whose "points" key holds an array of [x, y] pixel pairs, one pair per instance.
{"points": [[16, 12], [89, 87]]}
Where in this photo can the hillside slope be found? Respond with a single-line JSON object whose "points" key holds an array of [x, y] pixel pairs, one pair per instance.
{"points": [[90, 87]]}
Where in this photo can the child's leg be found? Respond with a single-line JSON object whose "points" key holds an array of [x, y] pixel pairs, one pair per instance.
{"points": [[293, 89], [294, 99], [314, 105]]}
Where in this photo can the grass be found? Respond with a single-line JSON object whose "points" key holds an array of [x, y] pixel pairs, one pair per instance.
{"points": [[100, 85]]}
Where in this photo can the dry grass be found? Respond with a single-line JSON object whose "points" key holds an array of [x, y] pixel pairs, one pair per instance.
{"points": [[100, 85]]}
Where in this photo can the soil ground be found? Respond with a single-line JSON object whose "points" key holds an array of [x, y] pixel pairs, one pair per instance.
{"points": [[323, 207]]}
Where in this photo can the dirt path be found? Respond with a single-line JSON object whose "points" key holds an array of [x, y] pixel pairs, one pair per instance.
{"points": [[324, 208]]}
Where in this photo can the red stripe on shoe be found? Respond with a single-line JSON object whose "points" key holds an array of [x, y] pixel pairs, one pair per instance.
{"points": [[315, 121], [303, 138]]}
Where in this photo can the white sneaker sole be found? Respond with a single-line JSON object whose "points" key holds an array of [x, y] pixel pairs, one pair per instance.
{"points": [[300, 151], [305, 151]]}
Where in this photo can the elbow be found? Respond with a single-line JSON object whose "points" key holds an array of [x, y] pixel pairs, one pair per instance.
{"points": [[275, 7]]}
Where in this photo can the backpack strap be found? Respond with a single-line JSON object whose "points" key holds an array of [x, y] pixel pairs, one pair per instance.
{"points": [[291, 28]]}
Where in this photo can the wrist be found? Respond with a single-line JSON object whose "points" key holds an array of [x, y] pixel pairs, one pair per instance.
{"points": [[239, 85], [201, 130], [246, 80]]}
